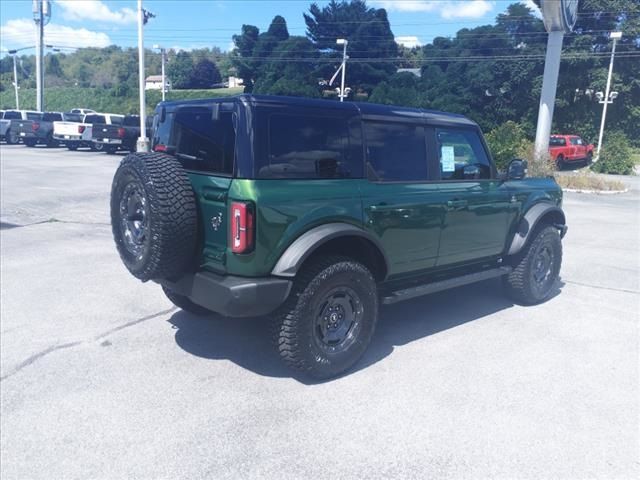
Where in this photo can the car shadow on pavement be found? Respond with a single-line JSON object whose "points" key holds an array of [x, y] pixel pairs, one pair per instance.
{"points": [[247, 342]]}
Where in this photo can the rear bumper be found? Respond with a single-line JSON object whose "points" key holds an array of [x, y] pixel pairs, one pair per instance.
{"points": [[233, 296], [108, 141]]}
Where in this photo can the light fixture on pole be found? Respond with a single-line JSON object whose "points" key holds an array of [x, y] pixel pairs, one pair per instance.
{"points": [[163, 52], [142, 145], [343, 67], [608, 97]]}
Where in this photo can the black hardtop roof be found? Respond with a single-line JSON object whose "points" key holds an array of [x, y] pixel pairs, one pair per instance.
{"points": [[371, 110]]}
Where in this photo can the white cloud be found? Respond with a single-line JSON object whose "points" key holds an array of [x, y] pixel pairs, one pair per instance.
{"points": [[469, 9], [409, 41], [80, 10], [19, 33], [532, 6], [446, 9]]}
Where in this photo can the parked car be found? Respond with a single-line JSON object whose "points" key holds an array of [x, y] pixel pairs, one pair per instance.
{"points": [[83, 111], [566, 149], [315, 212], [9, 123], [115, 137], [33, 132], [80, 134]]}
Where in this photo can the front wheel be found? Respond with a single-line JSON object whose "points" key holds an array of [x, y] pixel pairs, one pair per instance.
{"points": [[560, 162], [30, 143], [72, 146], [111, 150], [328, 320], [537, 269]]}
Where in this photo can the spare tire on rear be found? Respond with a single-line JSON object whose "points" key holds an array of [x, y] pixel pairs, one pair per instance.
{"points": [[153, 216]]}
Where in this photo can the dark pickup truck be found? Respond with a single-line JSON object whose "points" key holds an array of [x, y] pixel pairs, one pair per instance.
{"points": [[33, 132], [115, 137]]}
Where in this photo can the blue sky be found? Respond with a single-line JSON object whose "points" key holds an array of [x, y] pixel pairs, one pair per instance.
{"points": [[189, 24]]}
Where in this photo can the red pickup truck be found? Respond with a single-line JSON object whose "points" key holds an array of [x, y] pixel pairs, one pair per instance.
{"points": [[566, 149]]}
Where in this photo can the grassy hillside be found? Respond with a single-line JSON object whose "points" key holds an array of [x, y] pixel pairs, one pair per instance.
{"points": [[61, 99]]}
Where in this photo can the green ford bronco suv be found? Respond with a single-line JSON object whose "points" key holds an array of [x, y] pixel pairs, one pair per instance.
{"points": [[314, 212]]}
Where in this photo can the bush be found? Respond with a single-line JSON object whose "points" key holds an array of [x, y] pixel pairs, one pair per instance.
{"points": [[615, 156], [506, 142], [538, 165]]}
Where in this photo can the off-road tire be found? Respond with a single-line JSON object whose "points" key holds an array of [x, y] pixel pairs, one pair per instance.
{"points": [[520, 283], [169, 241], [184, 303], [294, 324]]}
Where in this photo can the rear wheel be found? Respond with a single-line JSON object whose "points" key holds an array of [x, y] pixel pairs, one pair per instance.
{"points": [[184, 303], [111, 150], [72, 146], [534, 275], [97, 147], [328, 321], [11, 138], [30, 143]]}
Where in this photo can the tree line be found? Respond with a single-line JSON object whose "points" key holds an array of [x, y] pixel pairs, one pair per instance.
{"points": [[491, 73]]}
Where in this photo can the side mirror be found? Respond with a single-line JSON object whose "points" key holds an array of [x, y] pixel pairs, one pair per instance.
{"points": [[517, 169], [471, 172]]}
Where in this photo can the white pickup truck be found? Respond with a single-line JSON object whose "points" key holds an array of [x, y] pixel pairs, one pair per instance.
{"points": [[8, 130], [77, 131]]}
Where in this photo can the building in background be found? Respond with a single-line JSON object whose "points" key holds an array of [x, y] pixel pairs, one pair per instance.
{"points": [[154, 82]]}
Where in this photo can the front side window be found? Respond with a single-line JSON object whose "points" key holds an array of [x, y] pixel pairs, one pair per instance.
{"points": [[305, 146], [576, 141], [396, 152], [461, 155]]}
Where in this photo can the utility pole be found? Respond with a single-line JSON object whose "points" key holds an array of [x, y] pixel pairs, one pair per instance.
{"points": [[15, 77], [143, 142], [343, 67], [615, 36], [41, 17], [164, 81]]}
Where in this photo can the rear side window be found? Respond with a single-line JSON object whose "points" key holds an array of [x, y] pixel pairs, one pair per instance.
{"points": [[557, 142], [396, 152], [12, 115], [461, 155], [51, 117], [95, 119], [116, 119], [202, 143], [73, 117], [34, 116], [304, 146]]}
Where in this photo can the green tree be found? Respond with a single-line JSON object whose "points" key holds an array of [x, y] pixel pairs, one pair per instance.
{"points": [[205, 74], [180, 70]]}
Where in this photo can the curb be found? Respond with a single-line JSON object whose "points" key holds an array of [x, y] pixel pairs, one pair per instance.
{"points": [[597, 192]]}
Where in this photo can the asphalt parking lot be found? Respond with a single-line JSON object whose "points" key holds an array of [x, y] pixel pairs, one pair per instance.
{"points": [[100, 377]]}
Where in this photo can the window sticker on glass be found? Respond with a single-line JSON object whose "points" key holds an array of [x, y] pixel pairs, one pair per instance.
{"points": [[448, 159]]}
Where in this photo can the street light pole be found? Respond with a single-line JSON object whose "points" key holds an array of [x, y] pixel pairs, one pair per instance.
{"points": [[15, 80], [343, 67], [615, 36], [41, 17], [164, 81], [143, 142]]}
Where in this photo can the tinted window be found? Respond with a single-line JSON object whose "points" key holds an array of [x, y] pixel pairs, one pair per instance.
{"points": [[95, 119], [576, 141], [12, 115], [308, 147], [51, 117], [116, 119], [73, 117], [396, 152], [34, 116], [201, 143], [461, 155], [557, 142], [131, 121]]}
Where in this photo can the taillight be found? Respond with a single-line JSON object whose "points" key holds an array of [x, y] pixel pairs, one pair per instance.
{"points": [[35, 126], [160, 148], [242, 229], [81, 128], [121, 132]]}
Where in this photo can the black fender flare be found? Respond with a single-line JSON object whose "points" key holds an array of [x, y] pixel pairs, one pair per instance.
{"points": [[530, 221], [294, 256]]}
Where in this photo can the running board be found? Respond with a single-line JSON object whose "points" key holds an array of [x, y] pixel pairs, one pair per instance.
{"points": [[428, 288]]}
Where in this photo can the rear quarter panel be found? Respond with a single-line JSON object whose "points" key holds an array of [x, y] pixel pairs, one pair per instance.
{"points": [[285, 209]]}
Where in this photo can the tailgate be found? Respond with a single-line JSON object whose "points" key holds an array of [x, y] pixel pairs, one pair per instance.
{"points": [[101, 131], [66, 128], [23, 126], [211, 196]]}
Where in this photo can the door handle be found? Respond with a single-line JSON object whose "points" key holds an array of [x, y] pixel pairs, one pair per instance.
{"points": [[457, 203]]}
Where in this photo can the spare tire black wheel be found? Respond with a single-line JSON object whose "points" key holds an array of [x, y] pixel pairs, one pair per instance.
{"points": [[153, 216]]}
